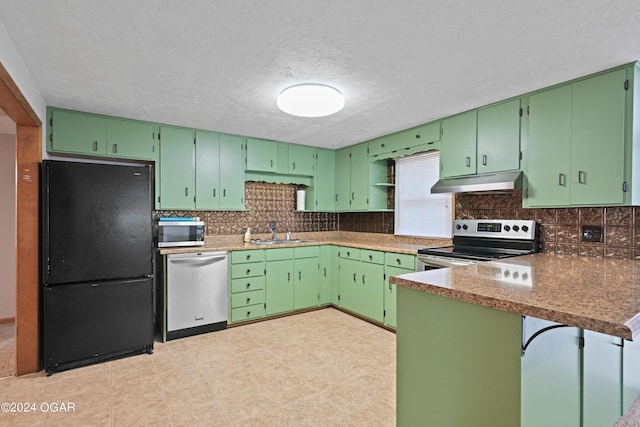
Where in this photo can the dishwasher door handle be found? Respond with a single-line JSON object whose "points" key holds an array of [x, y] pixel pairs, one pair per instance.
{"points": [[198, 261]]}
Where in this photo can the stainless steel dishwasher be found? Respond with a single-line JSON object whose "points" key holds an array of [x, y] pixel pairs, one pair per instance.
{"points": [[197, 293]]}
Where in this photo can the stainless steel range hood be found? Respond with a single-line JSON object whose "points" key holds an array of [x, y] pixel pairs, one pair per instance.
{"points": [[504, 181]]}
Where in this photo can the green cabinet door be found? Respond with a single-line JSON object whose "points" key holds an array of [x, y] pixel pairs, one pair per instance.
{"points": [[128, 139], [550, 376], [177, 165], [549, 148], [602, 379], [390, 297], [335, 275], [499, 137], [232, 157], [631, 373], [324, 182], [348, 278], [78, 133], [279, 286], [262, 155], [306, 283], [301, 159], [359, 175], [371, 291], [458, 145], [325, 274], [597, 151], [207, 173], [343, 179]]}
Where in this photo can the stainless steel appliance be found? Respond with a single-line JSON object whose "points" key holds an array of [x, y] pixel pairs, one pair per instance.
{"points": [[171, 233], [482, 240], [197, 293], [97, 263]]}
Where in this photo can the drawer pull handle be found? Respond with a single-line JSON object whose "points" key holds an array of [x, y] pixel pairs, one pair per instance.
{"points": [[248, 257], [582, 177], [363, 279], [370, 257], [214, 192], [354, 277], [95, 145], [468, 162], [248, 300], [115, 148], [248, 272], [248, 313], [248, 285], [398, 261], [299, 275], [288, 277], [325, 271]]}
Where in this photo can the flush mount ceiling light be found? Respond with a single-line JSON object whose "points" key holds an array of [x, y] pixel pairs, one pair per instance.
{"points": [[310, 100]]}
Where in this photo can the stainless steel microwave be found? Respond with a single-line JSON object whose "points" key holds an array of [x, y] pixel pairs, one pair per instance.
{"points": [[179, 233]]}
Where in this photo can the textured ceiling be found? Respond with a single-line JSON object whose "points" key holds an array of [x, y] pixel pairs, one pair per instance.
{"points": [[219, 65]]}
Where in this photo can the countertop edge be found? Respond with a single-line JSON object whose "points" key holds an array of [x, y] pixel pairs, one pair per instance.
{"points": [[620, 330]]}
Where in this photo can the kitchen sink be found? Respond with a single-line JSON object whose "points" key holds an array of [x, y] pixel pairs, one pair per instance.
{"points": [[278, 241]]}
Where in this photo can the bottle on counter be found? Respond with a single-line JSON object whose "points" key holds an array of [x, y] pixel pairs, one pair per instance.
{"points": [[247, 235]]}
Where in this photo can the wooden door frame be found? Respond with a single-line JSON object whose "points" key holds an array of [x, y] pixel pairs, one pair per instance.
{"points": [[28, 159]]}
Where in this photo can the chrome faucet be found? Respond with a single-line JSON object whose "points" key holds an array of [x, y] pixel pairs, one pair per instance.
{"points": [[272, 228]]}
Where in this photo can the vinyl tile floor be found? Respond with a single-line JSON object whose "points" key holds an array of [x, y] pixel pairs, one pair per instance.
{"points": [[7, 349], [322, 368]]}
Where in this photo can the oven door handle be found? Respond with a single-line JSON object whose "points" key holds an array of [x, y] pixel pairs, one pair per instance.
{"points": [[443, 262]]}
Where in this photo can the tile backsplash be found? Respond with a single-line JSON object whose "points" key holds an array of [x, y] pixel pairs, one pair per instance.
{"points": [[561, 228], [264, 202]]}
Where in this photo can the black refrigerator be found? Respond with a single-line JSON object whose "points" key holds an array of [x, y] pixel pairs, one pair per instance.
{"points": [[97, 260]]}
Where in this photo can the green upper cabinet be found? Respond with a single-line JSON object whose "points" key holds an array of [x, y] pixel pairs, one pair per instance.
{"points": [[422, 138], [499, 137], [343, 179], [262, 155], [232, 156], [323, 192], [129, 139], [359, 177], [207, 174], [458, 145], [77, 133], [577, 142], [177, 165], [597, 135], [301, 159], [549, 152]]}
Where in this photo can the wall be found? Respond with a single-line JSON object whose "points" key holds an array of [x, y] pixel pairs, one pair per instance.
{"points": [[264, 202], [7, 226]]}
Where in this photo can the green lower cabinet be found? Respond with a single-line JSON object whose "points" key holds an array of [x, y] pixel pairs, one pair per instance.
{"points": [[602, 379], [326, 274], [247, 283], [550, 384], [335, 275], [306, 283], [390, 310], [348, 297], [371, 291], [279, 285], [631, 373]]}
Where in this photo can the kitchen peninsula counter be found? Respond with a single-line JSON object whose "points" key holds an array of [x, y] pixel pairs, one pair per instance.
{"points": [[466, 356], [372, 241], [601, 295]]}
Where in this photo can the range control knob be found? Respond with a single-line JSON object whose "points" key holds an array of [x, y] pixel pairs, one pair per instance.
{"points": [[507, 228], [525, 228], [464, 227], [516, 228], [458, 226]]}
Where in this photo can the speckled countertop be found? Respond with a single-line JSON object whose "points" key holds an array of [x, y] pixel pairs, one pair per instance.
{"points": [[601, 295], [374, 241]]}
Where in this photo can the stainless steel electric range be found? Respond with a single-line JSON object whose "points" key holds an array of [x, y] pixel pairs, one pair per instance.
{"points": [[482, 240]]}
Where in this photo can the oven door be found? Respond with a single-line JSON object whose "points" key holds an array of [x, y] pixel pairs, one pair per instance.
{"points": [[433, 262]]}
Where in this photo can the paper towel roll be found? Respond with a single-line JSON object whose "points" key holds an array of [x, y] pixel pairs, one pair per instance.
{"points": [[300, 200]]}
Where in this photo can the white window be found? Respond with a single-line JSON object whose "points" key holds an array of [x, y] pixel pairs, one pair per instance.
{"points": [[417, 211]]}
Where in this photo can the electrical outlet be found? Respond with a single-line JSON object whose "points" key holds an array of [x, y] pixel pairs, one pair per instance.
{"points": [[592, 234]]}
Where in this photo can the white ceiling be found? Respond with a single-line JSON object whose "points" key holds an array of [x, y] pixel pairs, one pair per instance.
{"points": [[219, 65]]}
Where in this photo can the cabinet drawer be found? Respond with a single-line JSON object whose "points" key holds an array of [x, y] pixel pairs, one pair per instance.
{"points": [[240, 257], [247, 313], [350, 253], [239, 271], [278, 254], [400, 260], [244, 299], [248, 284], [307, 251], [375, 257]]}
